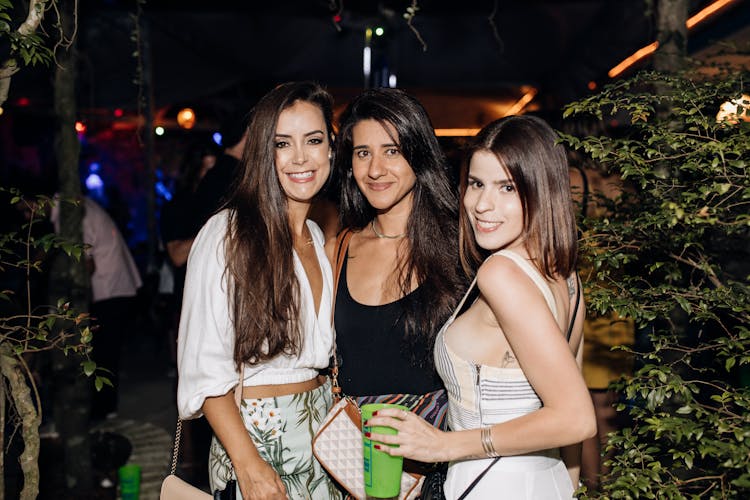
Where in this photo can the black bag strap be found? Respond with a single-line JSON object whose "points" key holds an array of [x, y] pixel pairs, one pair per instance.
{"points": [[575, 309], [478, 478], [178, 429]]}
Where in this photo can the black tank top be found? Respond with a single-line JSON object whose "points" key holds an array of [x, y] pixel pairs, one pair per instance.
{"points": [[374, 359]]}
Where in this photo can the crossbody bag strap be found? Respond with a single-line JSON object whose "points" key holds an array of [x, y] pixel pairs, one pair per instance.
{"points": [[478, 478], [342, 245], [178, 429], [575, 309], [176, 450]]}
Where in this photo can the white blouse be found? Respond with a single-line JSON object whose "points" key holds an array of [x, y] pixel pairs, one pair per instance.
{"points": [[205, 343]]}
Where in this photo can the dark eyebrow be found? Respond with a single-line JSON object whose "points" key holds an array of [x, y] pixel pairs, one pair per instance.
{"points": [[314, 132], [497, 182], [388, 145]]}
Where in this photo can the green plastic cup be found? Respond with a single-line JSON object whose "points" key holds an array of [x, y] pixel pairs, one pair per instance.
{"points": [[130, 481], [382, 471]]}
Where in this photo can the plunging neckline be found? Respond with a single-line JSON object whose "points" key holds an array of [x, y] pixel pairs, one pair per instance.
{"points": [[308, 285]]}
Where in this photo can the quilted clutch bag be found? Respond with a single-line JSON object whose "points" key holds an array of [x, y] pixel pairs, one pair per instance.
{"points": [[338, 447]]}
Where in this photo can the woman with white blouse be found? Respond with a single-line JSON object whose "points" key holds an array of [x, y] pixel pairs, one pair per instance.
{"points": [[257, 301]]}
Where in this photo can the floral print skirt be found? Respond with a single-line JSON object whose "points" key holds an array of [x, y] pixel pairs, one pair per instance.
{"points": [[282, 429]]}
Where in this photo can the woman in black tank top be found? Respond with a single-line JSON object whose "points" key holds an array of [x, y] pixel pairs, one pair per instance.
{"points": [[400, 278]]}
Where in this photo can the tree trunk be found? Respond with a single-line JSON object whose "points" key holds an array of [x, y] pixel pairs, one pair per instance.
{"points": [[69, 278], [27, 413], [670, 55], [11, 66], [147, 86], [2, 441], [671, 33]]}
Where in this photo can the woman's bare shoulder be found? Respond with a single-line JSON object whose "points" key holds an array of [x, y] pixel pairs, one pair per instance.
{"points": [[500, 277]]}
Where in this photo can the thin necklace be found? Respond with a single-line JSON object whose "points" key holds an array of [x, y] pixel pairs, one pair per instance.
{"points": [[385, 236], [303, 245], [308, 241]]}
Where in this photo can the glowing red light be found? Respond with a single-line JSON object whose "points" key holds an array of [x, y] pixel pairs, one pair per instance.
{"points": [[80, 127], [23, 101], [337, 18], [118, 112], [592, 85]]}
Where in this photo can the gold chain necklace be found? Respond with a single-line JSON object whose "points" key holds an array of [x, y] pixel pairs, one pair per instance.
{"points": [[385, 236]]}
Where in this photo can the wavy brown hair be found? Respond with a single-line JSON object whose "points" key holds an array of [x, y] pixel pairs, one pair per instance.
{"points": [[264, 290], [432, 227], [527, 148]]}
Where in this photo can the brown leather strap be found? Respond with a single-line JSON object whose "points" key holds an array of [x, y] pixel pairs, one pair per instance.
{"points": [[277, 390], [342, 244]]}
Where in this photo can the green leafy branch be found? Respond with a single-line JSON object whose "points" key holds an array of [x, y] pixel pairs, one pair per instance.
{"points": [[672, 254]]}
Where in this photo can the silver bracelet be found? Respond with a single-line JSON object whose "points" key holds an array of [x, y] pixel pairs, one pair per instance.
{"points": [[487, 445]]}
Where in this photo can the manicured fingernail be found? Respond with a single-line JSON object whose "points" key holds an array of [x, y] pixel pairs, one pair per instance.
{"points": [[377, 447], [367, 434], [375, 414]]}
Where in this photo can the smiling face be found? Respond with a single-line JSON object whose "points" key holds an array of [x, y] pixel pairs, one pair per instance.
{"points": [[492, 204], [382, 173], [302, 151]]}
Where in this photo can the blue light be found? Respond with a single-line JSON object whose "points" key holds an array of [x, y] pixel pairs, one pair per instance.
{"points": [[163, 191], [94, 182], [94, 167], [217, 138]]}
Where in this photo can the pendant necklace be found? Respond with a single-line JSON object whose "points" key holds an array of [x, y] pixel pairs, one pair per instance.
{"points": [[385, 236], [308, 241]]}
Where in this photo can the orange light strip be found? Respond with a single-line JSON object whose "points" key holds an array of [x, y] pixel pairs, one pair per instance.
{"points": [[651, 48], [456, 132], [637, 56], [522, 102], [703, 14]]}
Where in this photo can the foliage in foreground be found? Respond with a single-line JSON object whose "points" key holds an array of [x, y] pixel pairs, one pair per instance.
{"points": [[673, 255], [27, 329]]}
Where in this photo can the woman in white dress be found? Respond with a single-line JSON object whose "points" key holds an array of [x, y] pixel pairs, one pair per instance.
{"points": [[257, 301], [508, 360]]}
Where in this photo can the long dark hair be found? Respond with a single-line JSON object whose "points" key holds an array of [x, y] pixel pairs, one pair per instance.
{"points": [[527, 148], [432, 228], [264, 297]]}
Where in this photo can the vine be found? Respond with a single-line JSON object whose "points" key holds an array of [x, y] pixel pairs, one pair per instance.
{"points": [[409, 15]]}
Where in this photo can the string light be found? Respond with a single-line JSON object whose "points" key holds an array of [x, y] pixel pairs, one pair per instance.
{"points": [[186, 118], [649, 49], [524, 101], [456, 132]]}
